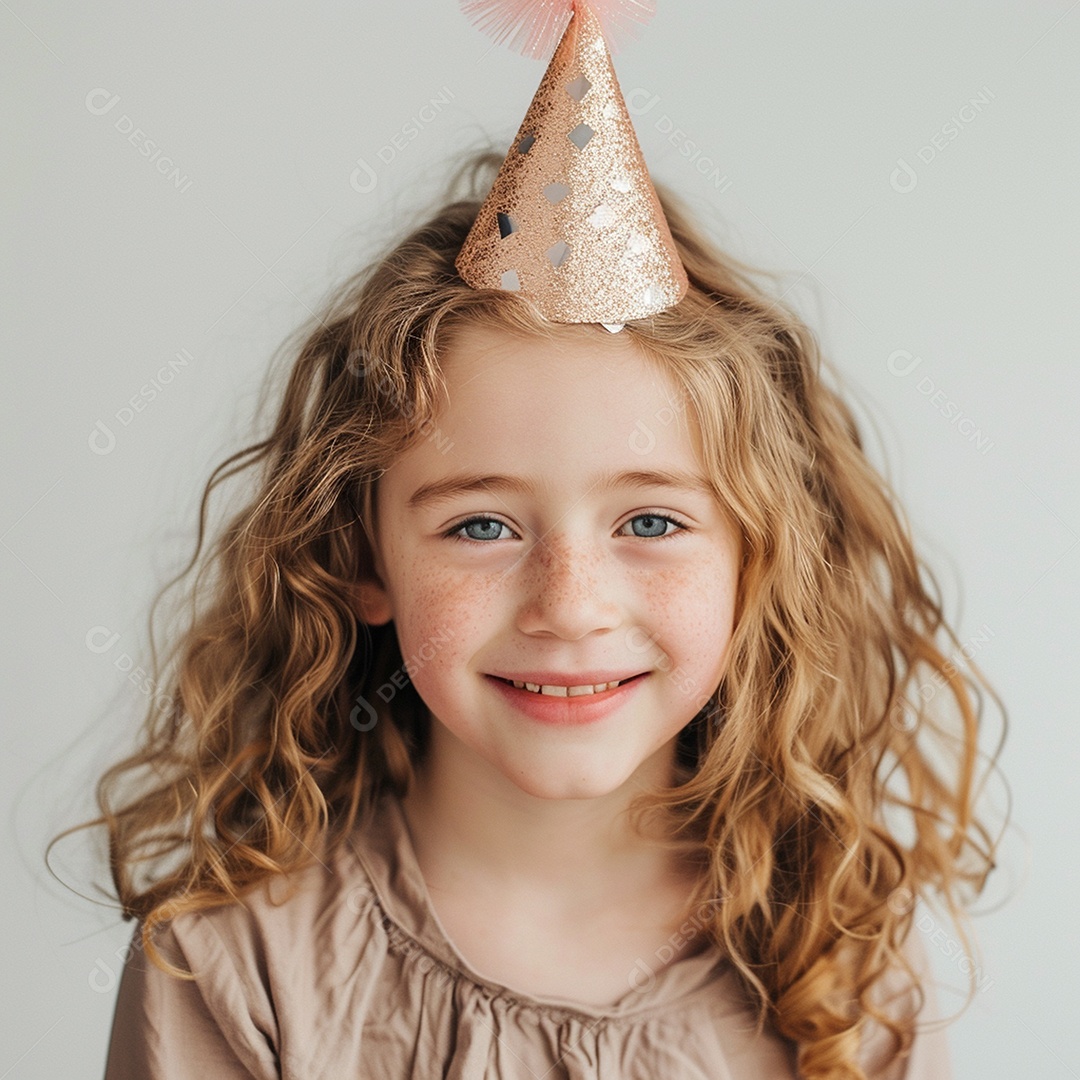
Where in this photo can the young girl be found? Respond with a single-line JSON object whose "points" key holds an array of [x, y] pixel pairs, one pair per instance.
{"points": [[552, 709]]}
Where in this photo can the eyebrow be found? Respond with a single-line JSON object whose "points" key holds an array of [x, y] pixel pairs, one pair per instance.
{"points": [[441, 490]]}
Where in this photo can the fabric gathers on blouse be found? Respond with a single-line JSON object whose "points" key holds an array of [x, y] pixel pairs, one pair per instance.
{"points": [[354, 976]]}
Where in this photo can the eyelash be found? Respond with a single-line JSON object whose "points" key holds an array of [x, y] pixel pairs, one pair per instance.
{"points": [[451, 534]]}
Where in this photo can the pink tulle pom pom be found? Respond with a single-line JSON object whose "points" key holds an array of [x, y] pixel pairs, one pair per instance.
{"points": [[535, 26]]}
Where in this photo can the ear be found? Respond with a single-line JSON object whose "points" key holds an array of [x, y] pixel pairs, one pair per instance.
{"points": [[368, 595], [371, 602]]}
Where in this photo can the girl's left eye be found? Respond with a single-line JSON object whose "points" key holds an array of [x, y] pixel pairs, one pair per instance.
{"points": [[493, 525], [654, 519]]}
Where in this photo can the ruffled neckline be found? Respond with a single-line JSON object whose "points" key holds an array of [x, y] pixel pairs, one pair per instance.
{"points": [[386, 853]]}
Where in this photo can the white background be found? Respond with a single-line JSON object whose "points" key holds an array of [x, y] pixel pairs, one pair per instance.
{"points": [[110, 271]]}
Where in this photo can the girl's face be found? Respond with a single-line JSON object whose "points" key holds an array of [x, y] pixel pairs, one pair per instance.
{"points": [[560, 575]]}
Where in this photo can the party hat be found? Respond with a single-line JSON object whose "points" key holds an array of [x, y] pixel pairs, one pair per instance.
{"points": [[572, 221]]}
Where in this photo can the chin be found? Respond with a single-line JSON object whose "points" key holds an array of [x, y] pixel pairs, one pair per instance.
{"points": [[565, 784]]}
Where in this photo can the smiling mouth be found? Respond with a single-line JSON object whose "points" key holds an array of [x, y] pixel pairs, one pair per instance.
{"points": [[568, 691]]}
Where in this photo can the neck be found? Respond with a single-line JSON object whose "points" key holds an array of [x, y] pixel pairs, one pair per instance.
{"points": [[474, 828]]}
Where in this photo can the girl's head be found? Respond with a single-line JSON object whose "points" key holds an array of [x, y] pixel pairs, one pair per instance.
{"points": [[780, 614], [581, 542]]}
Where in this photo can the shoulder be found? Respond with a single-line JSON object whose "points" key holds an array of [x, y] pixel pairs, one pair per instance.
{"points": [[928, 1057], [286, 926], [261, 966]]}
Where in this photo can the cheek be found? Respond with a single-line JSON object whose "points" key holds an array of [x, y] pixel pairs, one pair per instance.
{"points": [[692, 620], [443, 619], [696, 604]]}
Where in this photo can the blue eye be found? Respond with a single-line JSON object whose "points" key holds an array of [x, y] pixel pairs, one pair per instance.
{"points": [[490, 524], [493, 525], [661, 520]]}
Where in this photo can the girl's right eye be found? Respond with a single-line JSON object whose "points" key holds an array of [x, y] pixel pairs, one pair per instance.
{"points": [[492, 527]]}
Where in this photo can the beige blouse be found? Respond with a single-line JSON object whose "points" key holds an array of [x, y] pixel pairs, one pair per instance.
{"points": [[354, 976]]}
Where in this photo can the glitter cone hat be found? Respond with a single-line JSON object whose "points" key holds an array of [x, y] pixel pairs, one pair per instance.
{"points": [[572, 221]]}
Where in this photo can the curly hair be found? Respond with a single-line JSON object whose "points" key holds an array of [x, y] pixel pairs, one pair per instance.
{"points": [[268, 738]]}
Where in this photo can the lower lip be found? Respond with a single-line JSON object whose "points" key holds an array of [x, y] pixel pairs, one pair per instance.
{"points": [[567, 711]]}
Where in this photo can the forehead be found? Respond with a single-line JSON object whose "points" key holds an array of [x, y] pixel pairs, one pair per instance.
{"points": [[540, 379], [555, 409]]}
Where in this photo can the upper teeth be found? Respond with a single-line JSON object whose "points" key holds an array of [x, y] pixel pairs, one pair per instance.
{"points": [[565, 691]]}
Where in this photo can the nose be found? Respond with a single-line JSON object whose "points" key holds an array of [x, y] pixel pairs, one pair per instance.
{"points": [[567, 589]]}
